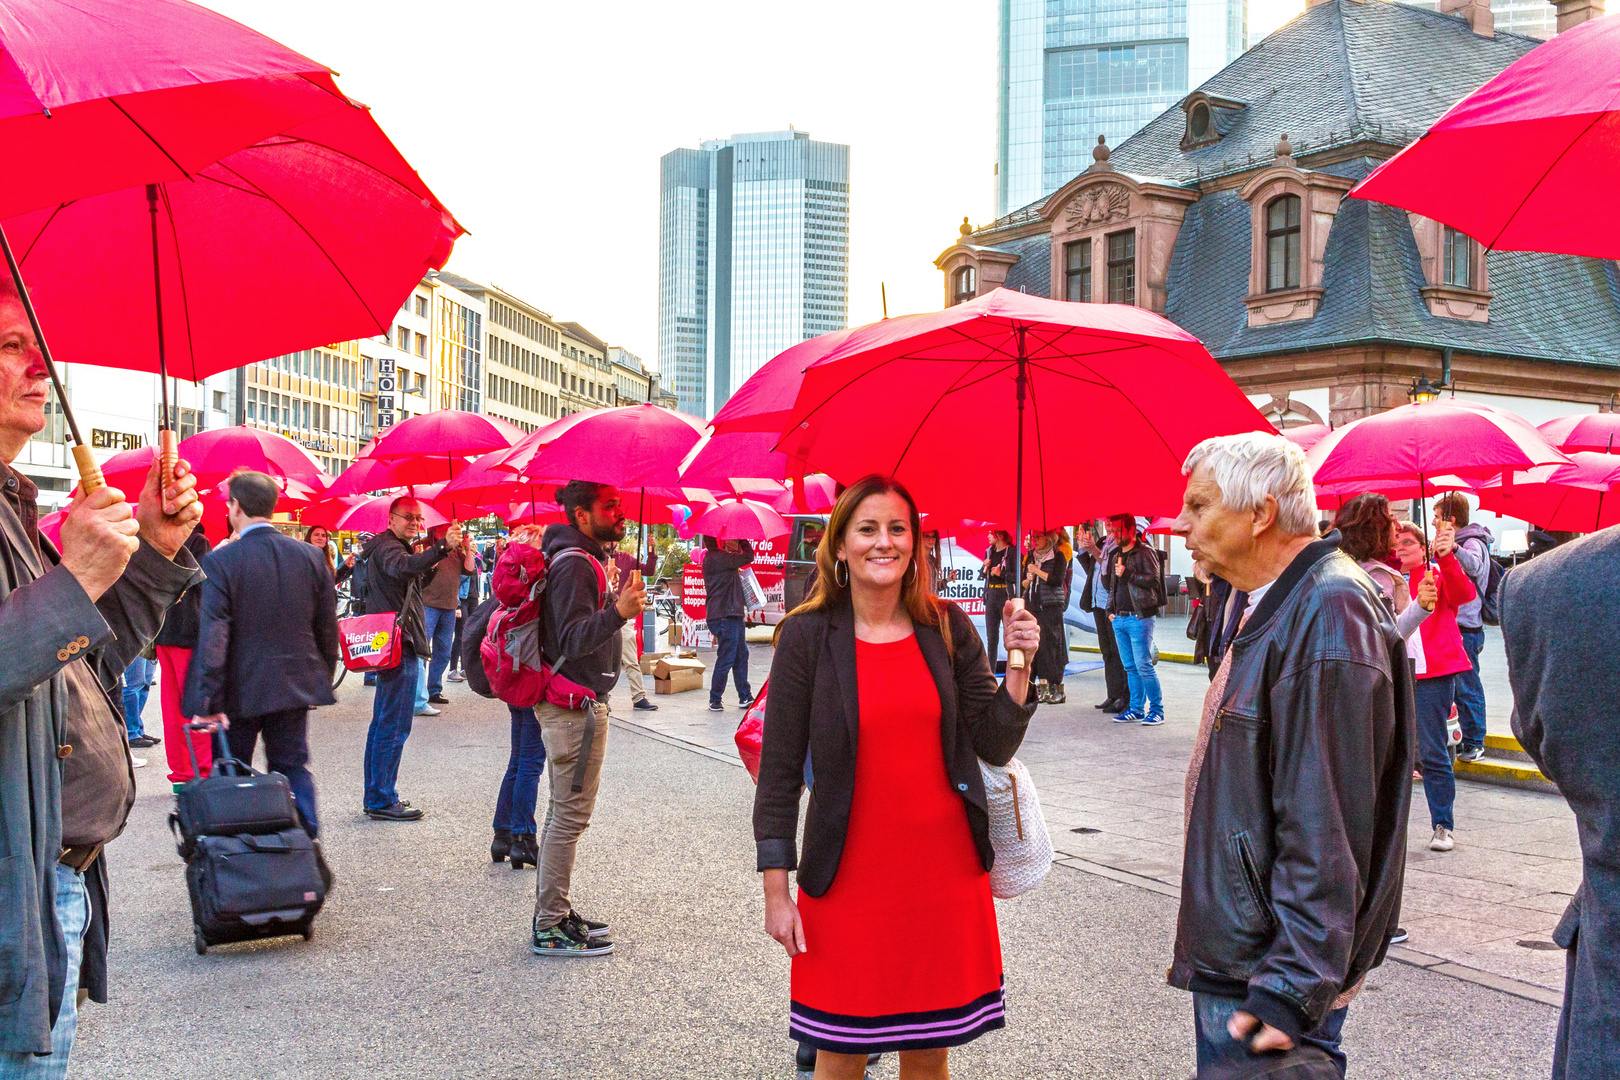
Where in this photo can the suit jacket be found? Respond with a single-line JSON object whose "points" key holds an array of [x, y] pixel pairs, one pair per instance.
{"points": [[814, 707], [1558, 625], [267, 635]]}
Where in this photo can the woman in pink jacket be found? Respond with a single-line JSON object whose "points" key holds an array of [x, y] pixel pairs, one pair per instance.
{"points": [[1438, 650]]}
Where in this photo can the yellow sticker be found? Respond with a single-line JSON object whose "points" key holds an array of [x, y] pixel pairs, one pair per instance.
{"points": [[379, 640]]}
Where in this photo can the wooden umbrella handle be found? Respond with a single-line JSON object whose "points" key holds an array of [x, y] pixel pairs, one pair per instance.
{"points": [[168, 453], [90, 477], [1015, 657]]}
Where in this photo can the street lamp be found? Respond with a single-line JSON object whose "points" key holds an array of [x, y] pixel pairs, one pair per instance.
{"points": [[1422, 390]]}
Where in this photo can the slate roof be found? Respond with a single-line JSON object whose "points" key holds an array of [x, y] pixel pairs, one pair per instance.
{"points": [[1340, 73]]}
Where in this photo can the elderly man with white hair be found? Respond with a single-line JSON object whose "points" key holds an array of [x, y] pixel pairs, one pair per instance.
{"points": [[1300, 782]]}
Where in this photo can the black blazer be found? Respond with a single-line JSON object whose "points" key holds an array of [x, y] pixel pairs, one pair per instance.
{"points": [[267, 635], [813, 706]]}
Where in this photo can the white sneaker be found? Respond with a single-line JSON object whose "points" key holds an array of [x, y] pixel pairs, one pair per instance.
{"points": [[428, 710], [1442, 839], [137, 762]]}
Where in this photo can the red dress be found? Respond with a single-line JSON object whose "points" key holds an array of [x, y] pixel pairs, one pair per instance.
{"points": [[903, 949]]}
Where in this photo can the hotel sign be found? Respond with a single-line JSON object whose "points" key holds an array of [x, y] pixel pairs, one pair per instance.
{"points": [[387, 381]]}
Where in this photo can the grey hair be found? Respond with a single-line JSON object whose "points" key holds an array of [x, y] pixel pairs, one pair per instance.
{"points": [[1250, 466]]}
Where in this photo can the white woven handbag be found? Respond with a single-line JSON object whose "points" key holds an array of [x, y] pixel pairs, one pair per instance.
{"points": [[1017, 829]]}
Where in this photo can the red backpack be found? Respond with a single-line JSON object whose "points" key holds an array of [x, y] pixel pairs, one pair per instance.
{"points": [[511, 651]]}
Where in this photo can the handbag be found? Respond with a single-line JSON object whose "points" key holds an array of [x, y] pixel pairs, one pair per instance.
{"points": [[370, 642], [750, 736], [1017, 829]]}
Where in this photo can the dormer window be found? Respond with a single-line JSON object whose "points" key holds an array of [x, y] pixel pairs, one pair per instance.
{"points": [[967, 284], [1459, 253], [1282, 243], [1208, 118], [1198, 122], [1456, 275]]}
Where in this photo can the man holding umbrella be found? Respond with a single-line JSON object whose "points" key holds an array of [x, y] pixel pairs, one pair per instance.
{"points": [[70, 622]]}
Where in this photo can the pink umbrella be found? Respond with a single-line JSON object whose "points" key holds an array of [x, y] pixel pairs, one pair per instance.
{"points": [[1161, 526], [740, 519], [448, 432], [214, 455], [327, 511], [1428, 439], [533, 513], [1588, 431], [720, 459], [51, 526], [764, 400], [1306, 436], [634, 446], [371, 515], [815, 494], [1565, 497], [1334, 496], [127, 471], [1512, 163], [376, 474]]}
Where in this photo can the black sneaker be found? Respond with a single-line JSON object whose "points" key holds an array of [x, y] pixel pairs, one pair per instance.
{"points": [[715, 706], [142, 742], [589, 927], [438, 699], [646, 706], [743, 703], [563, 940]]}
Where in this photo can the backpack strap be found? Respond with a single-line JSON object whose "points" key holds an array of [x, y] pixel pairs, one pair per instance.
{"points": [[601, 592]]}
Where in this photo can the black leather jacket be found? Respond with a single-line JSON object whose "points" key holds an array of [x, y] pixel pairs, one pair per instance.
{"points": [[1296, 840]]}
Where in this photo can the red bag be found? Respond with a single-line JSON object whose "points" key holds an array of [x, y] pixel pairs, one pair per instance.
{"points": [[750, 737], [512, 648], [370, 642]]}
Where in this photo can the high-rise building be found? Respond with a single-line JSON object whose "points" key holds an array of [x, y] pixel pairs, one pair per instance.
{"points": [[1071, 70], [753, 257], [1532, 18]]}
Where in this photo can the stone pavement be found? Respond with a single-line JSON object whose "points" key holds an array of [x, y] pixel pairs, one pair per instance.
{"points": [[1113, 795]]}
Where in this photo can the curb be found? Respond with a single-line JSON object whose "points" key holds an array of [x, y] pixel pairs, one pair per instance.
{"points": [[1173, 657]]}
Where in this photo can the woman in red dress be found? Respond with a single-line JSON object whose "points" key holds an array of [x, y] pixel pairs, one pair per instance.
{"points": [[893, 935]]}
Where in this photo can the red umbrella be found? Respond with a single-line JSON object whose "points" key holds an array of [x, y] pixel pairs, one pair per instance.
{"points": [[1306, 436], [815, 494], [327, 511], [764, 400], [127, 471], [1334, 496], [375, 474], [51, 526], [1428, 439], [740, 519], [634, 446], [214, 455], [1588, 431], [371, 515], [448, 432], [719, 459], [1512, 164], [1565, 497], [533, 513]]}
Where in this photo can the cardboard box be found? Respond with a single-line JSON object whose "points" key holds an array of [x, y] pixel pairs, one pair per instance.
{"points": [[681, 680], [649, 661]]}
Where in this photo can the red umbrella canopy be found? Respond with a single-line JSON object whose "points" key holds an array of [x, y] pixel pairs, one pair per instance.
{"points": [[1573, 498], [371, 515], [214, 455], [933, 400], [51, 526], [814, 495], [740, 519], [1430, 438], [1334, 496], [102, 94], [764, 401], [633, 446], [1513, 163], [446, 433], [306, 237], [1590, 431], [127, 471], [376, 474], [1306, 436]]}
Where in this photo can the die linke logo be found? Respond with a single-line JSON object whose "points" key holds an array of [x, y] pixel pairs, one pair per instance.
{"points": [[365, 644]]}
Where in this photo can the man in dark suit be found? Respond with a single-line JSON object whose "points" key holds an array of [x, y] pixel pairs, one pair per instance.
{"points": [[267, 640]]}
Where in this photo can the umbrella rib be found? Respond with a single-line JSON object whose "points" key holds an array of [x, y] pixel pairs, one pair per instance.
{"points": [[113, 101], [40, 234], [180, 268], [1035, 411], [917, 430], [285, 139]]}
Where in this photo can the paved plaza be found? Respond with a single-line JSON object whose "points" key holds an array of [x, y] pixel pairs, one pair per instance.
{"points": [[420, 964]]}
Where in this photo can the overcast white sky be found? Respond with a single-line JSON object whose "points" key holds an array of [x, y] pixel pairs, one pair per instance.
{"points": [[540, 124]]}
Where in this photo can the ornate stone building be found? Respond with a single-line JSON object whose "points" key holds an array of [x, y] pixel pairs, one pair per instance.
{"points": [[1228, 215]]}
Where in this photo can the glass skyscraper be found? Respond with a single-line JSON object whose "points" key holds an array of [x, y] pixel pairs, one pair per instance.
{"points": [[753, 256], [1070, 70]]}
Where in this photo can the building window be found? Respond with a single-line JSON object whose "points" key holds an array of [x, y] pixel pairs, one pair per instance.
{"points": [[1282, 243], [421, 345], [219, 401], [1077, 271], [1459, 251], [1122, 267], [967, 284]]}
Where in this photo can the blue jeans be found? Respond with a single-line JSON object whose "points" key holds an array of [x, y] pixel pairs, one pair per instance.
{"points": [[1470, 691], [391, 712], [1220, 1055], [1134, 636], [73, 913], [732, 658], [1434, 699], [441, 631], [138, 679], [520, 787]]}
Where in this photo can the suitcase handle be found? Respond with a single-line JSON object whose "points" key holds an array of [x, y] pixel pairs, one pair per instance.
{"points": [[222, 751]]}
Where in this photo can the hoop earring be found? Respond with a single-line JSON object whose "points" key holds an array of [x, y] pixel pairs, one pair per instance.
{"points": [[843, 583], [911, 573]]}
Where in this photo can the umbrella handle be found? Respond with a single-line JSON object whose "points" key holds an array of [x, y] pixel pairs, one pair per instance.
{"points": [[1015, 657], [90, 477], [168, 454]]}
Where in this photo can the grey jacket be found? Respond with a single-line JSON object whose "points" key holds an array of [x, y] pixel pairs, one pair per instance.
{"points": [[1474, 552], [1558, 625], [47, 621]]}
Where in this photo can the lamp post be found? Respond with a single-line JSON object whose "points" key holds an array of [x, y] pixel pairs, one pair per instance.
{"points": [[1422, 391]]}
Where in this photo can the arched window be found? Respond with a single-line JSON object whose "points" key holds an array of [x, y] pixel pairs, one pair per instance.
{"points": [[1282, 243], [967, 284]]}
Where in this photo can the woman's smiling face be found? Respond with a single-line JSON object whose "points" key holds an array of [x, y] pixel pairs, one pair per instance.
{"points": [[878, 542]]}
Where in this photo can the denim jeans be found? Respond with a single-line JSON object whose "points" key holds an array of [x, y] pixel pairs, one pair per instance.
{"points": [[138, 678], [73, 913], [1434, 699], [1221, 1055], [391, 712], [441, 632], [520, 787], [1471, 692], [732, 658], [1134, 636]]}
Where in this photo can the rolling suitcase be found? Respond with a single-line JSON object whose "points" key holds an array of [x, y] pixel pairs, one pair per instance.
{"points": [[251, 870]]}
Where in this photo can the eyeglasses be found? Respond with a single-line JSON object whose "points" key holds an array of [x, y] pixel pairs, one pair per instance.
{"points": [[418, 518]]}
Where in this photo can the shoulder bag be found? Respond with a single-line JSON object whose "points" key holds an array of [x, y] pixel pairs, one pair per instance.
{"points": [[1017, 829]]}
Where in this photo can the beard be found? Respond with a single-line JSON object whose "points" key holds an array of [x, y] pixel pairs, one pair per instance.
{"points": [[607, 534]]}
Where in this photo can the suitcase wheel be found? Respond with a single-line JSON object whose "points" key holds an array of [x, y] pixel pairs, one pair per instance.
{"points": [[199, 941]]}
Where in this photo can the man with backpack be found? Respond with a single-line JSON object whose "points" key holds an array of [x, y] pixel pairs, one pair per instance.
{"points": [[580, 626], [1473, 551]]}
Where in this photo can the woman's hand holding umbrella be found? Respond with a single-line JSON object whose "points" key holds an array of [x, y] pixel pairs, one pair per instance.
{"points": [[1019, 630]]}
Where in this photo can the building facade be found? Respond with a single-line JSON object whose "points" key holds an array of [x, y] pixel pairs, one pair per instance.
{"points": [[1069, 71], [313, 398], [633, 384], [587, 376], [523, 368], [1532, 18], [753, 257]]}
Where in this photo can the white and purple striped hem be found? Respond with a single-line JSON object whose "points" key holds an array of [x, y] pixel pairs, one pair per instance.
{"points": [[897, 1031]]}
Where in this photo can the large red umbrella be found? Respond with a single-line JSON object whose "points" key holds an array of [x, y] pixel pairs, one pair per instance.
{"points": [[1588, 431], [371, 515], [633, 446], [452, 432], [1428, 439], [764, 400], [214, 455], [375, 474], [740, 519], [1568, 498], [1514, 163]]}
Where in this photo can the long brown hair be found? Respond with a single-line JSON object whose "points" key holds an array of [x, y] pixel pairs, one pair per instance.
{"points": [[1365, 525], [916, 591]]}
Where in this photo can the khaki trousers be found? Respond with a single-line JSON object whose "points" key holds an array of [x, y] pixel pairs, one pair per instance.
{"points": [[565, 733], [630, 662]]}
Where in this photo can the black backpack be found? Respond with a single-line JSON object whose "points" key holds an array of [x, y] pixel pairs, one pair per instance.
{"points": [[473, 631], [1490, 605]]}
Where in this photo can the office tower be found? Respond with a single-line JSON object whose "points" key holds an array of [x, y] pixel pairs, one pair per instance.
{"points": [[753, 257]]}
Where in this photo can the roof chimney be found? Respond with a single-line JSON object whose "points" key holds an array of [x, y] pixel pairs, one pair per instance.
{"points": [[1476, 13], [1574, 12]]}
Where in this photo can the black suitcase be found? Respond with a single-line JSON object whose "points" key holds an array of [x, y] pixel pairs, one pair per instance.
{"points": [[230, 801], [248, 887]]}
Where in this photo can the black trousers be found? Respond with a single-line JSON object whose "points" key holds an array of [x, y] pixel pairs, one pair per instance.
{"points": [[1053, 655], [1113, 668], [286, 747], [995, 598]]}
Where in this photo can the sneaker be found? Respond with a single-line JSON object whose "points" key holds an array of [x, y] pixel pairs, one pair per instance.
{"points": [[438, 699], [1467, 753], [1442, 839], [456, 676], [1399, 935], [743, 703], [589, 927], [142, 742], [137, 762], [1154, 718], [563, 940], [715, 706], [428, 710], [646, 706], [1130, 716]]}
